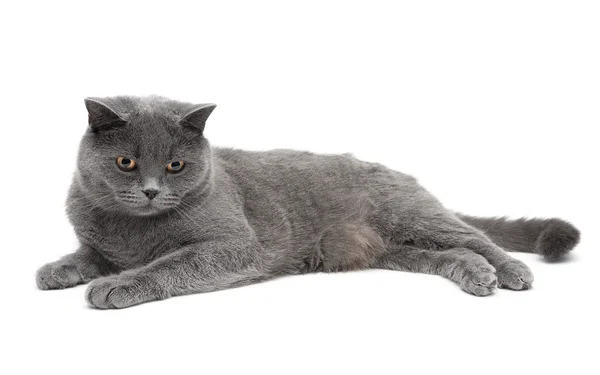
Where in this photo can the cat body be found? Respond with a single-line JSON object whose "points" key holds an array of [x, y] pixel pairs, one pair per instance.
{"points": [[160, 213]]}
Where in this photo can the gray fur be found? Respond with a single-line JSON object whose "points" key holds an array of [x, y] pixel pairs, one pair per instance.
{"points": [[233, 217], [551, 238]]}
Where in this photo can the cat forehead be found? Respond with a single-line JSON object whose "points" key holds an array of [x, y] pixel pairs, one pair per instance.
{"points": [[150, 106], [153, 119], [147, 132], [148, 142], [155, 133]]}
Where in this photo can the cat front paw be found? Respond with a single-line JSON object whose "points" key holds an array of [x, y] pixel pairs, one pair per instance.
{"points": [[119, 291], [514, 275], [57, 276]]}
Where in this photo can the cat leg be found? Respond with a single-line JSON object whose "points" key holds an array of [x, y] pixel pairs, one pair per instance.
{"points": [[447, 231], [77, 268], [469, 270], [204, 267]]}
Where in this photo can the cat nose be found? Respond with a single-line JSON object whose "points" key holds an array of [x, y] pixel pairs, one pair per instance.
{"points": [[151, 193]]}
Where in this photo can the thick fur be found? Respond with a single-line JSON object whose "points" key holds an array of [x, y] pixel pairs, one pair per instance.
{"points": [[233, 217], [551, 238]]}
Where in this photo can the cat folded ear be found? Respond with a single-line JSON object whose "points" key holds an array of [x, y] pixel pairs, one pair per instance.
{"points": [[196, 118], [101, 116]]}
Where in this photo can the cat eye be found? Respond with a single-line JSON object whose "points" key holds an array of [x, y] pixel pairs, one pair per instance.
{"points": [[176, 166], [125, 164]]}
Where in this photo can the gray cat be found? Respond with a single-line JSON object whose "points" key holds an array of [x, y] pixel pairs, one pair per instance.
{"points": [[160, 213]]}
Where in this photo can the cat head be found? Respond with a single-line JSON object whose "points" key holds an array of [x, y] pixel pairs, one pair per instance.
{"points": [[143, 155]]}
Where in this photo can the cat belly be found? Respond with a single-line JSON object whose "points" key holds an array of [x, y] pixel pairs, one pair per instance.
{"points": [[349, 246], [339, 240]]}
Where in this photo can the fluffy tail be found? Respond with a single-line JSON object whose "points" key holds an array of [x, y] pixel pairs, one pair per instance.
{"points": [[551, 238]]}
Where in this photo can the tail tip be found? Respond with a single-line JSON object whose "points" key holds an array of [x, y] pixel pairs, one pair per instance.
{"points": [[557, 239]]}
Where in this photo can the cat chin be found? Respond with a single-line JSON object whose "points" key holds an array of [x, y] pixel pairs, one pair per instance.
{"points": [[148, 210]]}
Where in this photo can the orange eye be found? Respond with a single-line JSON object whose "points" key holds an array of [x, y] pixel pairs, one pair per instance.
{"points": [[176, 166], [125, 164]]}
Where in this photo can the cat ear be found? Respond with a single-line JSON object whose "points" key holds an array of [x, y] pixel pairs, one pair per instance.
{"points": [[196, 118], [101, 116]]}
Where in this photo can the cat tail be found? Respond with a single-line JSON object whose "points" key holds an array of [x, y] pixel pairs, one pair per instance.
{"points": [[551, 238]]}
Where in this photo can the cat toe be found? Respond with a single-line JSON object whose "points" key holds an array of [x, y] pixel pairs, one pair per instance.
{"points": [[97, 293], [114, 292], [479, 283], [515, 275], [45, 280], [52, 276]]}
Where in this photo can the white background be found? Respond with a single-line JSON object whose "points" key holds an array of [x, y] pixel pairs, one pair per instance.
{"points": [[492, 105]]}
